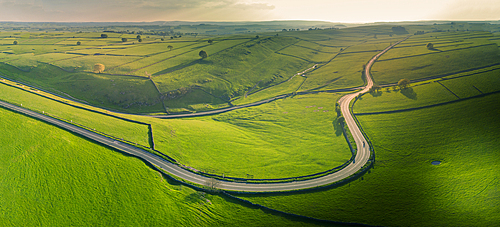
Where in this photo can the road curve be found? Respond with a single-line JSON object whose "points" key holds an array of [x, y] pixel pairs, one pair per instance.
{"points": [[362, 156]]}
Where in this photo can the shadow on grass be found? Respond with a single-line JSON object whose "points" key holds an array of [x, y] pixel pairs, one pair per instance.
{"points": [[376, 93], [337, 127], [195, 197], [181, 66], [409, 93]]}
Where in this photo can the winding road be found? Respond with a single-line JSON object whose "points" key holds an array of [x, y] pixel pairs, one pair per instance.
{"points": [[362, 156]]}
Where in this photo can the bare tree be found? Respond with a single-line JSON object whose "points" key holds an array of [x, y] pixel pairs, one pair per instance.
{"points": [[212, 184]]}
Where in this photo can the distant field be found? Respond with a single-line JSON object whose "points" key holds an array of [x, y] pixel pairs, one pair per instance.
{"points": [[286, 138], [237, 65], [52, 177], [453, 87], [471, 51], [404, 188]]}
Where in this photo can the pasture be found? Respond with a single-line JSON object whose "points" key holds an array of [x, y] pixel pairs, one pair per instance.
{"points": [[451, 54], [52, 177], [404, 188], [450, 88], [286, 138]]}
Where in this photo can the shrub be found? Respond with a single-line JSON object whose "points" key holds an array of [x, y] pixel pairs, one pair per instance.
{"points": [[98, 68], [124, 39], [78, 43], [104, 36], [203, 54]]}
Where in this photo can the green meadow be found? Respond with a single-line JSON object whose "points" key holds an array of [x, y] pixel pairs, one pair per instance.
{"points": [[404, 188], [51, 177], [414, 61], [286, 138], [112, 126], [451, 88]]}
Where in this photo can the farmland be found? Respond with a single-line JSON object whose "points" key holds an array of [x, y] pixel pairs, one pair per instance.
{"points": [[52, 177], [454, 87], [404, 188]]}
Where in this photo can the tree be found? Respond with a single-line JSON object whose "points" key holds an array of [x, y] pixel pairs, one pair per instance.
{"points": [[138, 37], [375, 88], [98, 68], [340, 120], [430, 46], [403, 83], [256, 36], [78, 43], [124, 39], [15, 42], [170, 47], [210, 41], [162, 39], [203, 54], [212, 184], [140, 40], [104, 36]]}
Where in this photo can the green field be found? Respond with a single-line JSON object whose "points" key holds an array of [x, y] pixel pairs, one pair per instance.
{"points": [[112, 126], [473, 51], [404, 188], [51, 177], [451, 88], [286, 138], [122, 93]]}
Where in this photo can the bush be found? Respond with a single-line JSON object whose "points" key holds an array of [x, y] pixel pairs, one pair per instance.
{"points": [[98, 68], [124, 39], [203, 54], [78, 43], [104, 36], [140, 40], [430, 46], [15, 42]]}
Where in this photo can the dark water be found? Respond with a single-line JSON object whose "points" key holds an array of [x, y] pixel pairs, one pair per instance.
{"points": [[436, 163]]}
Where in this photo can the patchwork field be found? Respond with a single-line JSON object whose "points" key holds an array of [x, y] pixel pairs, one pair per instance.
{"points": [[451, 54]]}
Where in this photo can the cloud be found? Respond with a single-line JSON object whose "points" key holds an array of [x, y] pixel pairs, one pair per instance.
{"points": [[130, 10], [470, 10]]}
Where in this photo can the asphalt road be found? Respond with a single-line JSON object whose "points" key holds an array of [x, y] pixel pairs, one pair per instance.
{"points": [[362, 157]]}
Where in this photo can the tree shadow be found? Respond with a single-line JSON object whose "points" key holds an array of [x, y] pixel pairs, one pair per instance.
{"points": [[376, 93], [337, 127], [194, 197], [409, 93], [434, 49]]}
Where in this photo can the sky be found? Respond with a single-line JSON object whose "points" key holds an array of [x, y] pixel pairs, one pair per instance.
{"points": [[354, 11]]}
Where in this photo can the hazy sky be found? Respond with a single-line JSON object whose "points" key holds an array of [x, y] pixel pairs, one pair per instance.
{"points": [[248, 10]]}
